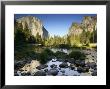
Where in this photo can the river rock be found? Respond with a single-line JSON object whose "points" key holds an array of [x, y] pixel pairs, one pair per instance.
{"points": [[53, 66], [46, 70], [66, 60], [86, 69], [53, 72], [23, 74], [41, 67], [91, 65], [53, 60], [63, 65], [78, 62], [60, 60], [72, 66], [63, 71], [18, 65], [94, 73], [71, 60], [82, 63], [28, 73], [80, 69], [40, 73]]}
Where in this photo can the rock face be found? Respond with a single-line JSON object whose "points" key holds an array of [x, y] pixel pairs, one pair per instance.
{"points": [[34, 25], [88, 24]]}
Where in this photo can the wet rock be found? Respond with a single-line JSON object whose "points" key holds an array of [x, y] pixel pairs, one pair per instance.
{"points": [[63, 65], [25, 61], [28, 73], [63, 71], [53, 60], [94, 73], [95, 68], [23, 74], [53, 72], [59, 68], [66, 60], [91, 65], [82, 63], [72, 60], [53, 66], [40, 73], [18, 65], [41, 67], [72, 66], [63, 74], [46, 70], [86, 69], [80, 69], [77, 62], [21, 70], [60, 60], [29, 61]]}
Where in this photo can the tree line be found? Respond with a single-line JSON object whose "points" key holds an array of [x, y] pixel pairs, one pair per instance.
{"points": [[22, 36]]}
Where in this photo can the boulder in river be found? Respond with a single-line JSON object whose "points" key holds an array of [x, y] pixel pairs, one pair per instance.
{"points": [[82, 63], [40, 73], [53, 72], [80, 69], [71, 60], [94, 73], [46, 70], [18, 65], [78, 62], [91, 65], [54, 60], [86, 69], [53, 66], [63, 71], [41, 67], [26, 74], [72, 66], [66, 60], [63, 65]]}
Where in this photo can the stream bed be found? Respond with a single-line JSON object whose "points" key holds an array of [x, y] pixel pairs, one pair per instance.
{"points": [[59, 67]]}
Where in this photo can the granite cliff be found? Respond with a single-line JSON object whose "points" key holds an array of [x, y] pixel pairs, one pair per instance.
{"points": [[33, 24], [87, 24]]}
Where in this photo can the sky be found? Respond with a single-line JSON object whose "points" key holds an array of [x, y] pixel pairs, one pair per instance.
{"points": [[57, 24]]}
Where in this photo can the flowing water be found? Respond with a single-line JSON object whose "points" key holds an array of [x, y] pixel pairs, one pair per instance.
{"points": [[62, 71]]}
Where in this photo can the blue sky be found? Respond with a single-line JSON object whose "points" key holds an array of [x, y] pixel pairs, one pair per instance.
{"points": [[57, 24]]}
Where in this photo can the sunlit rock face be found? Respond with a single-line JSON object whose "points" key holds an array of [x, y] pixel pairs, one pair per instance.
{"points": [[75, 29], [34, 25], [89, 23]]}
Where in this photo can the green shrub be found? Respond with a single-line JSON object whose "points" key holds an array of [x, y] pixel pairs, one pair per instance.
{"points": [[77, 55], [61, 55], [45, 55], [49, 52], [63, 46], [25, 52]]}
